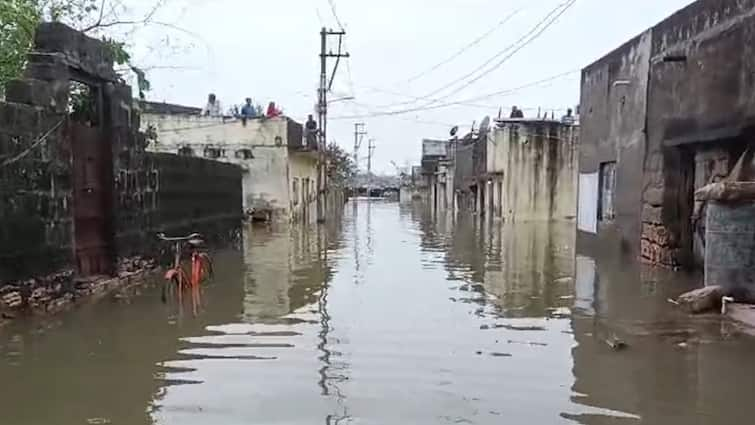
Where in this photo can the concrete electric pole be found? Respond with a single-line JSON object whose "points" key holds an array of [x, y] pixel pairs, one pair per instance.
{"points": [[359, 133], [322, 112], [370, 150]]}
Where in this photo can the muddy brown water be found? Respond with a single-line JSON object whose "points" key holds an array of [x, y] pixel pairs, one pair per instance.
{"points": [[390, 316]]}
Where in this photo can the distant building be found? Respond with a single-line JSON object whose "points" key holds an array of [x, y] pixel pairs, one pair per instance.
{"points": [[437, 173], [280, 170], [524, 169]]}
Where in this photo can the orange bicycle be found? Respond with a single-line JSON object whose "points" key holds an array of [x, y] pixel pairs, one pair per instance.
{"points": [[201, 268]]}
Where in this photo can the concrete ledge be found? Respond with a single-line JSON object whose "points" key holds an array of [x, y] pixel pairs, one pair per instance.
{"points": [[15, 303]]}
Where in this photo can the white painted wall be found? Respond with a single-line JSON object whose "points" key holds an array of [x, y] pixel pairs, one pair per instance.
{"points": [[267, 177]]}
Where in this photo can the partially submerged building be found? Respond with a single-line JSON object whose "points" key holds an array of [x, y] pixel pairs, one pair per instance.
{"points": [[437, 170], [662, 115], [280, 168], [523, 169]]}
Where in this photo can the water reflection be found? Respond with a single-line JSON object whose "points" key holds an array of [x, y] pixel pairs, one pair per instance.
{"points": [[393, 315], [677, 370]]}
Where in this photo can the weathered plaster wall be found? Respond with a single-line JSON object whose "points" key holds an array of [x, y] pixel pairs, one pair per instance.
{"points": [[303, 167], [540, 181], [612, 129], [701, 85]]}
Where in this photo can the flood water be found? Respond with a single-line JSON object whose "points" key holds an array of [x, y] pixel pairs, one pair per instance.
{"points": [[390, 316]]}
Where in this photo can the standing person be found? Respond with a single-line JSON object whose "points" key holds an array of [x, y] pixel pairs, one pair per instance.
{"points": [[248, 111], [568, 118], [311, 127], [272, 111], [212, 109], [516, 112]]}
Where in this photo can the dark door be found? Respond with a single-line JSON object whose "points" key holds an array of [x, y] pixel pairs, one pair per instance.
{"points": [[91, 191]]}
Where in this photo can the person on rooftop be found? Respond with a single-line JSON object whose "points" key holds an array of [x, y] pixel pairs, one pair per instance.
{"points": [[272, 111], [568, 119], [212, 109], [516, 112], [248, 111]]}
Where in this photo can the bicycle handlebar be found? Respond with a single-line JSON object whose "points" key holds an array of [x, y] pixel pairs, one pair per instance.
{"points": [[162, 236]]}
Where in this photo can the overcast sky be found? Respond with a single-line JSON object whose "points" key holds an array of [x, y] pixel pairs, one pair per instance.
{"points": [[268, 50]]}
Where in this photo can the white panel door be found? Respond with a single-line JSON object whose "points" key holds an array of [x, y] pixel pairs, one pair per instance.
{"points": [[587, 214]]}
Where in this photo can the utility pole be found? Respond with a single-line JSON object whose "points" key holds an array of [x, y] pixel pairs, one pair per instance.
{"points": [[370, 149], [359, 133], [322, 112]]}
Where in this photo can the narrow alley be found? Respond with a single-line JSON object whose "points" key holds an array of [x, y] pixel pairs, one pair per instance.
{"points": [[390, 316]]}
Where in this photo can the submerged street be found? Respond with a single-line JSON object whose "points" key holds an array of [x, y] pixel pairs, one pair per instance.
{"points": [[388, 316]]}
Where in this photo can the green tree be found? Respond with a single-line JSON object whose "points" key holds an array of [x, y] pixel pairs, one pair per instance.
{"points": [[341, 167], [19, 18]]}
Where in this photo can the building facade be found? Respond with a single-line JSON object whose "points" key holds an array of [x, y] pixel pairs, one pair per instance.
{"points": [[663, 115], [531, 170], [520, 170], [280, 169]]}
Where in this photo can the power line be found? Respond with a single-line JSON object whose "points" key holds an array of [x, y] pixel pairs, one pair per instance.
{"points": [[466, 47], [461, 102], [335, 15], [507, 57], [522, 42]]}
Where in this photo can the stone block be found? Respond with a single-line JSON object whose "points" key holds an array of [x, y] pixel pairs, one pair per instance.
{"points": [[656, 234], [651, 214], [47, 67], [654, 196], [80, 51], [46, 94], [701, 300]]}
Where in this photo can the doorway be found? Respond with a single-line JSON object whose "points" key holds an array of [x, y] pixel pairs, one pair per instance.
{"points": [[92, 181]]}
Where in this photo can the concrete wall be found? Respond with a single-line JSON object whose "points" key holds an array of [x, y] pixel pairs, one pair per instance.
{"points": [[540, 181], [700, 95], [36, 219], [273, 143], [38, 223], [668, 106], [193, 194], [612, 122]]}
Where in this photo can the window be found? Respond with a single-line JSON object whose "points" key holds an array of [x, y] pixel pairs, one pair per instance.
{"points": [[186, 151], [244, 154], [213, 153], [295, 191], [607, 184]]}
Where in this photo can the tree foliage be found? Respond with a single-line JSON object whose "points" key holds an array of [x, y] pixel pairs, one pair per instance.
{"points": [[341, 167], [19, 19]]}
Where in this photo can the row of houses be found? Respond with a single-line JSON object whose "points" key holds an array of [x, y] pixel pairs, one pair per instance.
{"points": [[521, 169], [664, 114]]}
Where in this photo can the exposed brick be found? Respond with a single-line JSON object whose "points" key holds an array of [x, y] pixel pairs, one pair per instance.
{"points": [[651, 214]]}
